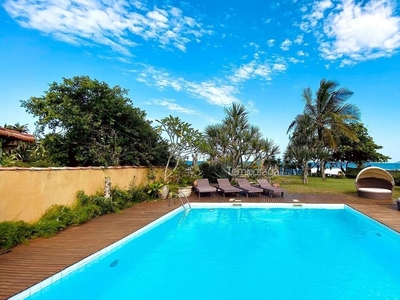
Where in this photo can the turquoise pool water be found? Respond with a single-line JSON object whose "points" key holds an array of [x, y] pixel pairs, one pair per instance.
{"points": [[245, 253]]}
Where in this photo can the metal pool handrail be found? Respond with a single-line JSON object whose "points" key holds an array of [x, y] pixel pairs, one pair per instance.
{"points": [[179, 195]]}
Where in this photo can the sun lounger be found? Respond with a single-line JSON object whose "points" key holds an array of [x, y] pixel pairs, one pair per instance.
{"points": [[203, 186], [269, 189], [225, 186], [246, 187]]}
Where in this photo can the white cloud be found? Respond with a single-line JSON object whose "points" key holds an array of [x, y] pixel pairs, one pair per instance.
{"points": [[305, 26], [255, 45], [214, 92], [362, 32], [346, 62], [170, 104], [354, 31], [299, 39], [323, 5], [114, 23], [286, 45], [251, 70], [279, 67], [302, 53], [251, 107], [294, 60], [271, 43], [317, 12]]}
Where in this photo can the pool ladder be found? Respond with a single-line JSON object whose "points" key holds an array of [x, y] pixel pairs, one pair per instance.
{"points": [[179, 195]]}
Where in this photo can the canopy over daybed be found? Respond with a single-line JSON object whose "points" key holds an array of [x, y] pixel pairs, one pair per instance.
{"points": [[374, 183]]}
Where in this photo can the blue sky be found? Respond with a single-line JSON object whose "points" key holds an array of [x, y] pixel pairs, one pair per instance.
{"points": [[193, 58]]}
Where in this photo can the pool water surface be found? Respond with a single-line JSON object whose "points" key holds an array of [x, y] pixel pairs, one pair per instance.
{"points": [[245, 253]]}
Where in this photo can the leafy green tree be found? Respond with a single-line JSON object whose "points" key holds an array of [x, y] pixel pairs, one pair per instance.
{"points": [[235, 143], [84, 122], [182, 140], [360, 152], [330, 115]]}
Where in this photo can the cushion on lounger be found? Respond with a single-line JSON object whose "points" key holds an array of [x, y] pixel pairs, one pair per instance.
{"points": [[375, 190]]}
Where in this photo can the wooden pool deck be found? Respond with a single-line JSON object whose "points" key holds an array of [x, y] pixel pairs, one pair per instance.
{"points": [[28, 264]]}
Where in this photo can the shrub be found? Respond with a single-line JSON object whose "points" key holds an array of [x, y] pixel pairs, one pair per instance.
{"points": [[56, 218], [83, 199], [14, 233], [137, 195], [47, 228], [103, 204], [60, 213], [120, 199], [396, 177], [82, 214]]}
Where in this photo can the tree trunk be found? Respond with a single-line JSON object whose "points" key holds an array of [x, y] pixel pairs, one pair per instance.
{"points": [[323, 170], [305, 173]]}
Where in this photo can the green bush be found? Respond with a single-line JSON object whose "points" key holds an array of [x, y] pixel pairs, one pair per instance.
{"points": [[137, 195], [120, 199], [14, 233], [57, 217], [396, 177], [103, 204], [82, 198], [47, 228], [82, 214], [60, 213]]}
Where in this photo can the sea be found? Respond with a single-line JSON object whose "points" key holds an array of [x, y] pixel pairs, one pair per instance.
{"points": [[392, 166], [387, 166]]}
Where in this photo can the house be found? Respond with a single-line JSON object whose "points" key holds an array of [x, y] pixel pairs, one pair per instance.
{"points": [[10, 138]]}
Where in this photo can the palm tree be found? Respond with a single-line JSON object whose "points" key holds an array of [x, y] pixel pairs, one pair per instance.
{"points": [[18, 127], [330, 115], [303, 143], [235, 142]]}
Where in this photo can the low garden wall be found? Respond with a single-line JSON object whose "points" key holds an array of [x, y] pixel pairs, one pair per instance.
{"points": [[26, 193]]}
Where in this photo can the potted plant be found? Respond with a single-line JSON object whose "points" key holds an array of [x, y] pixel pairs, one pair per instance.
{"points": [[157, 189]]}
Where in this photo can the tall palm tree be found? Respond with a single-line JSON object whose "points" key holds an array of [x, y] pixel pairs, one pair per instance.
{"points": [[303, 143], [330, 114], [235, 142], [18, 127]]}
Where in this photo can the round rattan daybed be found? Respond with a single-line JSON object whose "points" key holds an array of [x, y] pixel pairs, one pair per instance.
{"points": [[374, 183]]}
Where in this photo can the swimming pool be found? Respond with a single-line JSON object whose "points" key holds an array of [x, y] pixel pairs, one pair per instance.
{"points": [[242, 252]]}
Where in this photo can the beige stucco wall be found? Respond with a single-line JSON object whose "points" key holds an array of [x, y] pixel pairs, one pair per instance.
{"points": [[25, 194]]}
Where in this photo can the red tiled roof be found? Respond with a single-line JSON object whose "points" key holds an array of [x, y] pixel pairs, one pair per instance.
{"points": [[16, 135]]}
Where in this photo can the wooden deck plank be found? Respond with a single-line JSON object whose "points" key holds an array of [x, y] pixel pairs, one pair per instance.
{"points": [[39, 259]]}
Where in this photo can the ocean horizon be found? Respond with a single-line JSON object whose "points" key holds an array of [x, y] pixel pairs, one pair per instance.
{"points": [[389, 166]]}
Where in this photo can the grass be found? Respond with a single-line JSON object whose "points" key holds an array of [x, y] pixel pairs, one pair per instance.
{"points": [[333, 185]]}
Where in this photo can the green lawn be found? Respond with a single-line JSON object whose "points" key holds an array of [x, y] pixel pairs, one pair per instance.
{"points": [[293, 184]]}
